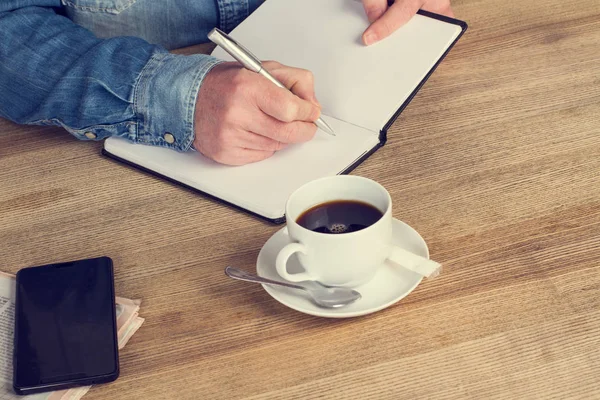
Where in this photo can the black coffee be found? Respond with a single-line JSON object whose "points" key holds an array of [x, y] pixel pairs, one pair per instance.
{"points": [[340, 216]]}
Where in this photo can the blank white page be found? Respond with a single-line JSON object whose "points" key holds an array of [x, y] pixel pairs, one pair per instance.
{"points": [[261, 187], [355, 83]]}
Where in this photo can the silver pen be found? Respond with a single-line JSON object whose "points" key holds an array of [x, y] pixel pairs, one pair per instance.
{"points": [[251, 62]]}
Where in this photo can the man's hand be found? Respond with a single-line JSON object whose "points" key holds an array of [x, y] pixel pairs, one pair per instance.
{"points": [[386, 19], [241, 117]]}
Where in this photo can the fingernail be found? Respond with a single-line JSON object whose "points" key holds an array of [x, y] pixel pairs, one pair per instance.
{"points": [[370, 38]]}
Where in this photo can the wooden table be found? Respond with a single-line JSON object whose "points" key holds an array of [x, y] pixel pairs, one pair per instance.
{"points": [[496, 163]]}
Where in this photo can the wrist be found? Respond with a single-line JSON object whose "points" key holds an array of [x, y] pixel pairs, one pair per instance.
{"points": [[165, 98]]}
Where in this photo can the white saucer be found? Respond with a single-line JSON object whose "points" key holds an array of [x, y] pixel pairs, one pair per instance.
{"points": [[390, 284]]}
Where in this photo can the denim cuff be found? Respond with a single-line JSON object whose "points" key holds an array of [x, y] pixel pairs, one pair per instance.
{"points": [[165, 99]]}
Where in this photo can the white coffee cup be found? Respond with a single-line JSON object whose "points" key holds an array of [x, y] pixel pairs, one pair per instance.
{"points": [[344, 259]]}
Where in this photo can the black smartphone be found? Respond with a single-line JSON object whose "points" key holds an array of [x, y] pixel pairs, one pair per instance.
{"points": [[65, 326]]}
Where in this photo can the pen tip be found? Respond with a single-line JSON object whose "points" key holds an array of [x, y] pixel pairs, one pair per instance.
{"points": [[325, 127], [328, 129]]}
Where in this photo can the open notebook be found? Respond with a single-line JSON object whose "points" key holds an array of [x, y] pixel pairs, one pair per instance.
{"points": [[362, 90]]}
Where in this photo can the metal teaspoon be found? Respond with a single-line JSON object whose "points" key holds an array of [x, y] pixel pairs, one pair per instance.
{"points": [[328, 297]]}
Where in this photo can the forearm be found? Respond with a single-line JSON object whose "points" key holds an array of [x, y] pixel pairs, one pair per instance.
{"points": [[54, 72]]}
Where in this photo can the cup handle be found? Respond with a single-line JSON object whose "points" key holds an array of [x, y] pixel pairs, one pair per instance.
{"points": [[421, 265], [282, 259]]}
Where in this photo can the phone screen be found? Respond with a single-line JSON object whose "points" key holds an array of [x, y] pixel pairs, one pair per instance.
{"points": [[65, 324]]}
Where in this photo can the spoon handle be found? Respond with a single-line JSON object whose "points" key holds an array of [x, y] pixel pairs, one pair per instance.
{"points": [[245, 276]]}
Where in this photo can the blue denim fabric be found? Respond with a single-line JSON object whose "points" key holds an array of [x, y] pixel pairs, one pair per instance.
{"points": [[102, 67]]}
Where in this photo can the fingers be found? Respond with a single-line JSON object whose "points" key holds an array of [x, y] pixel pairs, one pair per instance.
{"points": [[228, 147], [375, 9], [300, 81], [283, 132], [241, 117], [396, 15], [254, 141], [285, 106], [241, 156], [287, 117], [300, 105]]}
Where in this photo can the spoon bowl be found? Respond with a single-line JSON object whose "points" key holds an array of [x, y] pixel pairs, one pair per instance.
{"points": [[327, 297]]}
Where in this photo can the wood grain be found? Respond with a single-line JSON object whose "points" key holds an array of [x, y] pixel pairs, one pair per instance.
{"points": [[496, 162]]}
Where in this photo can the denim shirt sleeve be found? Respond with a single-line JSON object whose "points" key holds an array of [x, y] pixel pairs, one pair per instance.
{"points": [[55, 72]]}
